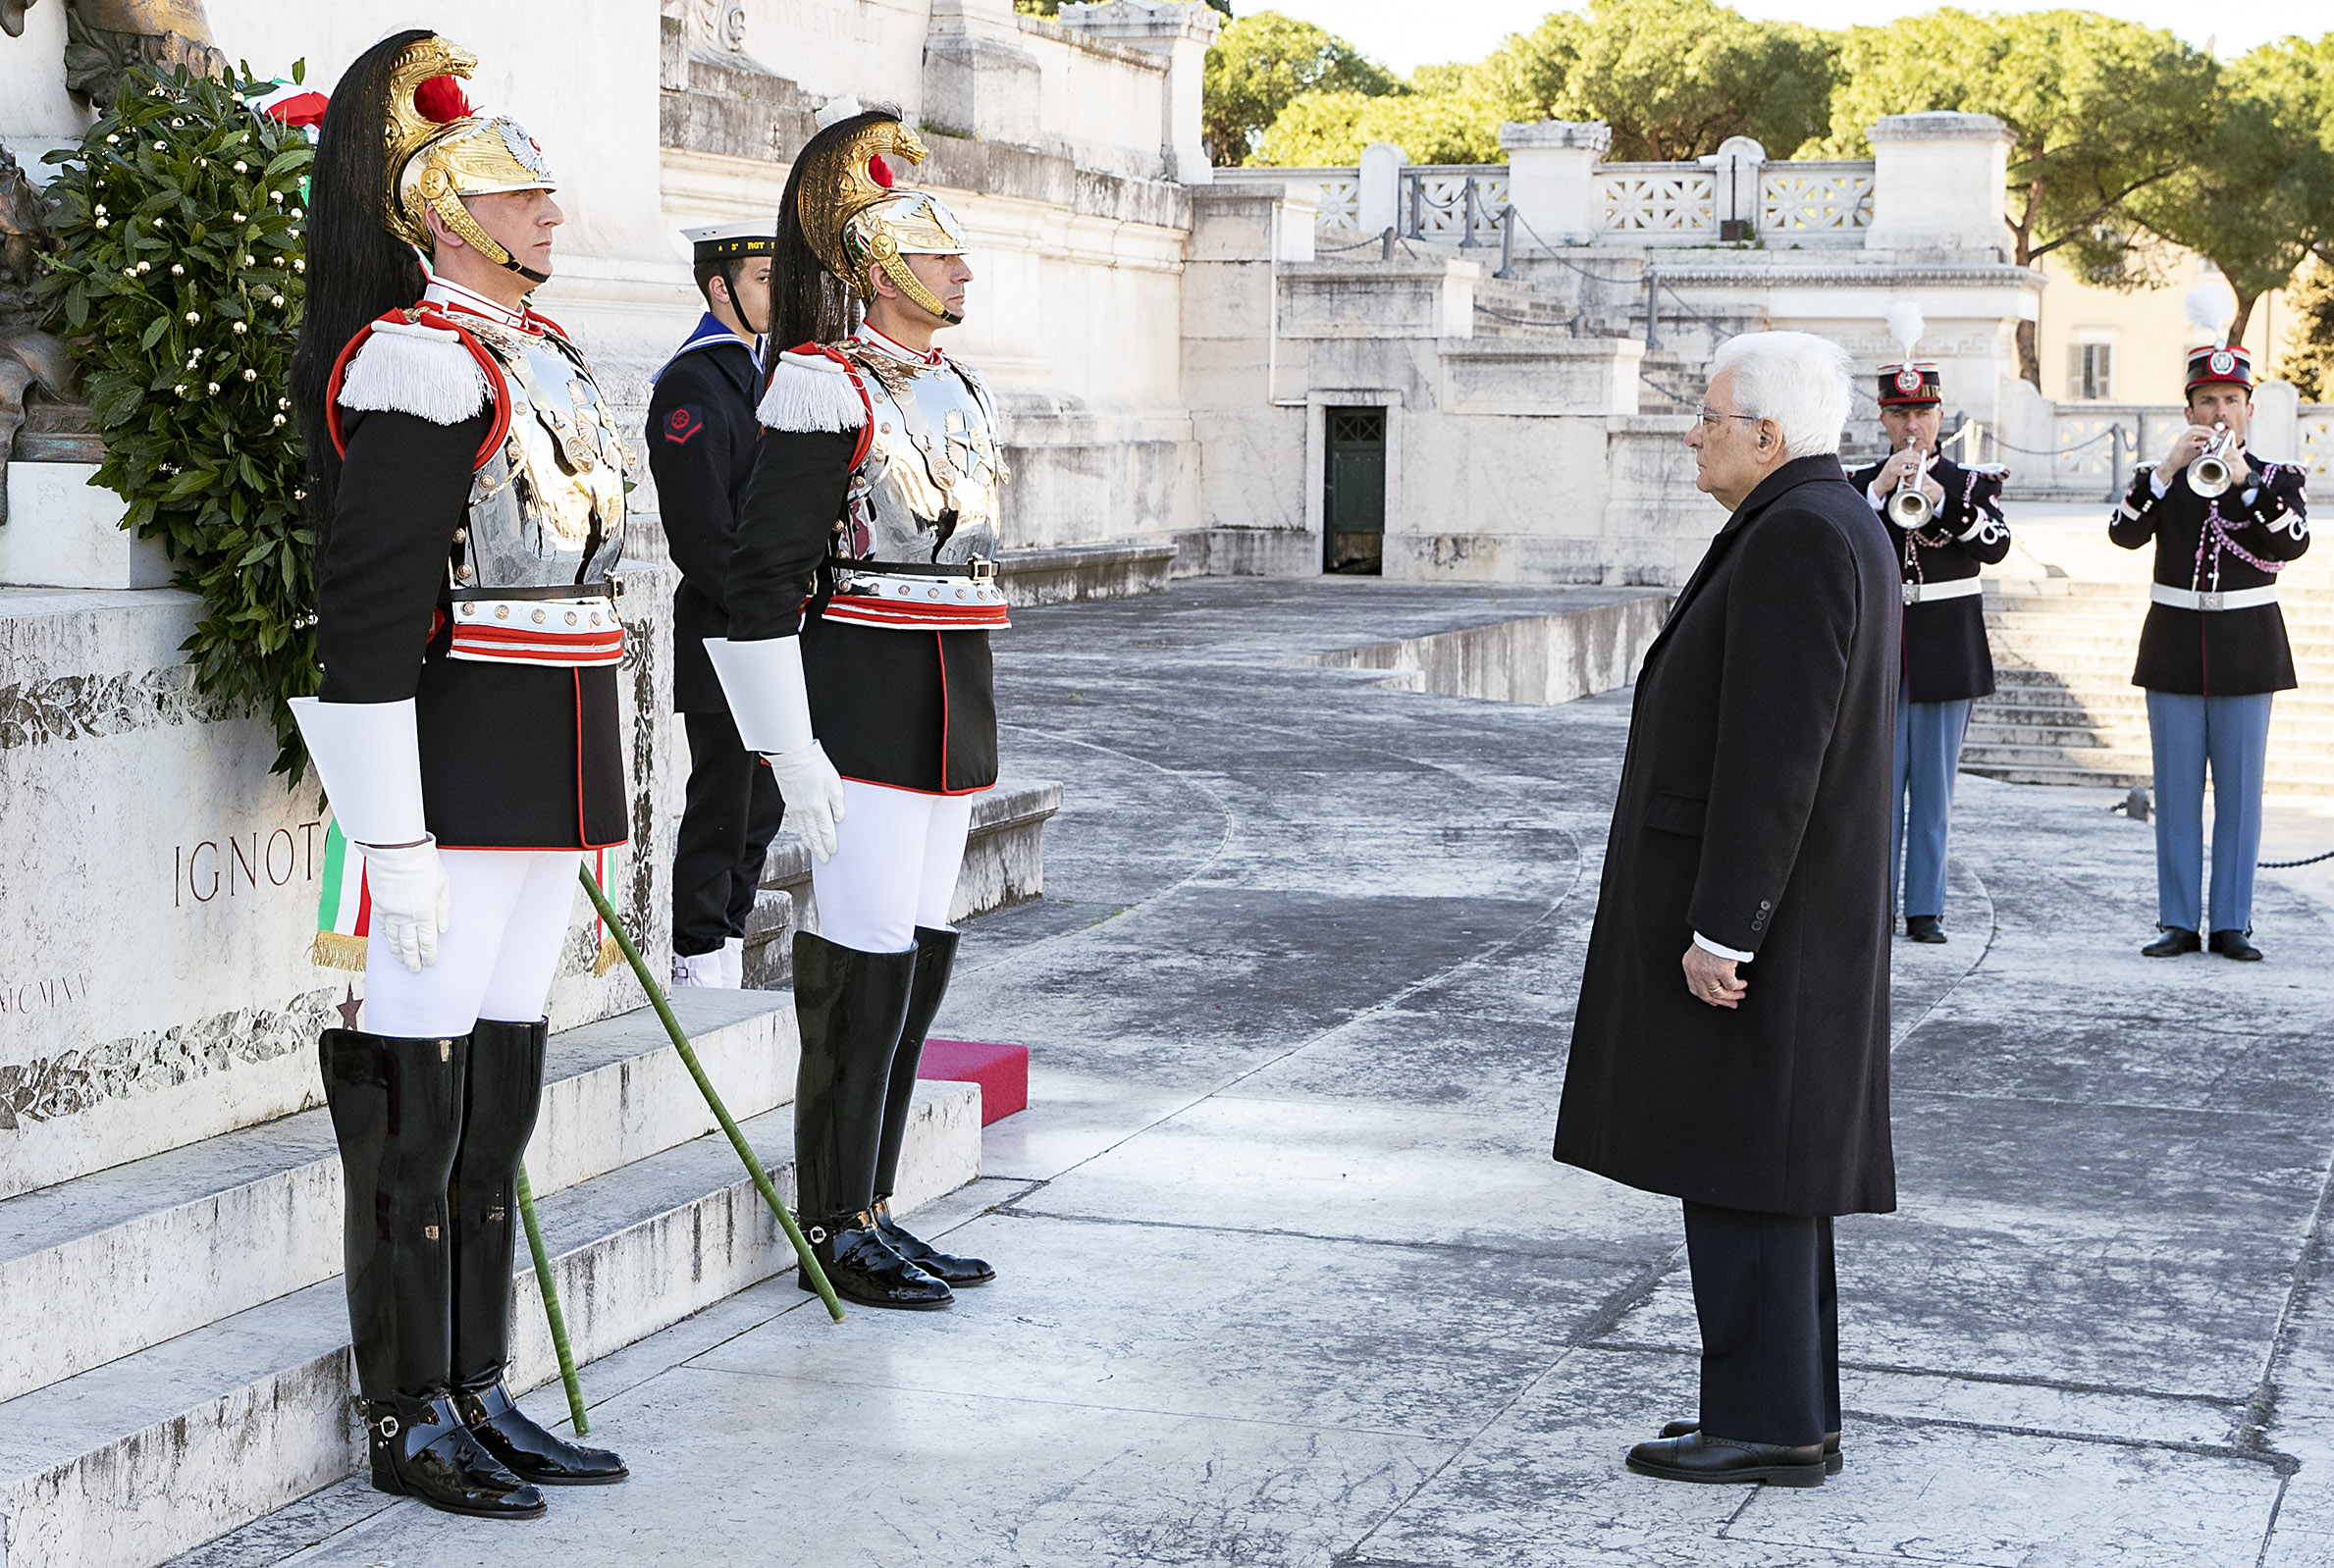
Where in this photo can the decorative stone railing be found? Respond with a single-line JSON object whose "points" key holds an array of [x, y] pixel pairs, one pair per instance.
{"points": [[1656, 200], [1803, 200], [2318, 439], [1453, 203], [2101, 444]]}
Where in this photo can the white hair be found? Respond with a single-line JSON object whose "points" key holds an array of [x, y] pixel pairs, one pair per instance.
{"points": [[1796, 378]]}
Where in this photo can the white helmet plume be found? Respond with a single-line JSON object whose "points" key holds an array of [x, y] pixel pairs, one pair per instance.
{"points": [[1906, 324], [838, 109], [2209, 307]]}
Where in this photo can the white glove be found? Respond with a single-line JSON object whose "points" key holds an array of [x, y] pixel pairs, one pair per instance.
{"points": [[412, 901], [813, 794]]}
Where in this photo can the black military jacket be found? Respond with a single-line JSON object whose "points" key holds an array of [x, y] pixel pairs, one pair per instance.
{"points": [[1947, 658], [913, 709], [1753, 809], [701, 435], [2236, 541], [512, 756]]}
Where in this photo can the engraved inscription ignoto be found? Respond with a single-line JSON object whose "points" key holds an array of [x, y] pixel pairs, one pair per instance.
{"points": [[64, 1085], [74, 708]]}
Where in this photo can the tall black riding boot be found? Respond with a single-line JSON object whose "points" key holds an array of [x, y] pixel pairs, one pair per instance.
{"points": [[397, 1110], [935, 961], [505, 1086], [850, 1006]]}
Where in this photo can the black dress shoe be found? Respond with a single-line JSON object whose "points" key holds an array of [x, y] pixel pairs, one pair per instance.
{"points": [[2233, 945], [525, 1448], [1722, 1461], [2172, 944], [421, 1448], [1924, 928], [931, 1260], [1833, 1463], [861, 1267]]}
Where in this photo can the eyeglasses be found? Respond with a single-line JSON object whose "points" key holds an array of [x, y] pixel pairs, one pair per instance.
{"points": [[1706, 416]]}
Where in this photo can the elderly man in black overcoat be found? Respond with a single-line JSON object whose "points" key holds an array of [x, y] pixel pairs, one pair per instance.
{"points": [[1731, 1045]]}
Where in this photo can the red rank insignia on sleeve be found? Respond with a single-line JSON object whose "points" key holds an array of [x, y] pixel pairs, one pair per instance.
{"points": [[681, 424]]}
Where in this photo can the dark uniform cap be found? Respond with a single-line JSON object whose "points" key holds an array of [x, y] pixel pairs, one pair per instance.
{"points": [[728, 241], [1913, 383], [2209, 362]]}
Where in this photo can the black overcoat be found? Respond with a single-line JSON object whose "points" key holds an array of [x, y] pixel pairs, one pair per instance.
{"points": [[2201, 545], [701, 435], [1753, 809], [1947, 658]]}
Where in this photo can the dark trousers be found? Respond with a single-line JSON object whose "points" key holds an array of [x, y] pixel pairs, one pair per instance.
{"points": [[1769, 1303], [732, 813]]}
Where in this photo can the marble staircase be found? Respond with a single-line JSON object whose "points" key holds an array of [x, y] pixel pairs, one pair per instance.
{"points": [[176, 1357], [2065, 625]]}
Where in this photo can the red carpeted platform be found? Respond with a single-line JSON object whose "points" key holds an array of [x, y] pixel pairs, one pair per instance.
{"points": [[1002, 1070]]}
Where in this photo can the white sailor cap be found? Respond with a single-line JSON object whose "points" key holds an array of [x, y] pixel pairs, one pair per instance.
{"points": [[728, 242]]}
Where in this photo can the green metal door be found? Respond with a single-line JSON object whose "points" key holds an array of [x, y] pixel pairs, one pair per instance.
{"points": [[1354, 510]]}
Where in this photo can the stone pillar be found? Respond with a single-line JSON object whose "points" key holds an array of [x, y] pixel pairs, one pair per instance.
{"points": [[1180, 30], [1377, 205], [1938, 185], [977, 80], [1734, 171], [2275, 434], [1550, 175]]}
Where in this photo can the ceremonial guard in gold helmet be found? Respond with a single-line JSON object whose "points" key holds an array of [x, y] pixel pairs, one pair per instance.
{"points": [[2213, 652], [468, 489], [1946, 523], [860, 597]]}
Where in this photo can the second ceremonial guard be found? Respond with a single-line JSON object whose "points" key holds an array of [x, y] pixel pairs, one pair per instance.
{"points": [[861, 599], [701, 436], [2213, 651], [470, 488], [1946, 524]]}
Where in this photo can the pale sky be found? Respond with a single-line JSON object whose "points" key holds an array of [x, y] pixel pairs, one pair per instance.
{"points": [[1408, 34]]}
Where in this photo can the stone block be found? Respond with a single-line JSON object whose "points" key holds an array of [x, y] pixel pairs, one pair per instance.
{"points": [[1524, 376], [1085, 571], [64, 529], [1248, 552], [1540, 660]]}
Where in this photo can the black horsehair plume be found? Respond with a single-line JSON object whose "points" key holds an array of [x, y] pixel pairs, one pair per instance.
{"points": [[808, 304], [357, 270]]}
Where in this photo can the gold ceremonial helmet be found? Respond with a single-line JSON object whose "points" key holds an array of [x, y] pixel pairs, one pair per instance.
{"points": [[441, 151], [854, 215]]}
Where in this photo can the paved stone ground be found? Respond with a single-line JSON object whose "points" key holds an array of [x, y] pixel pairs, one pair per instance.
{"points": [[1290, 1280]]}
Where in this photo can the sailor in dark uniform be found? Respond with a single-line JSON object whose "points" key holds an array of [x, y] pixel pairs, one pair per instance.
{"points": [[1942, 540], [468, 486], [2213, 651], [861, 599], [701, 435]]}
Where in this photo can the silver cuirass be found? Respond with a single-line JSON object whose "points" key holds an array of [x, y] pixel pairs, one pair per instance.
{"points": [[547, 510], [926, 490]]}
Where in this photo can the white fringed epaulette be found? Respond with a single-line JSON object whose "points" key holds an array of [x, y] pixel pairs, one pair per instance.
{"points": [[408, 368], [812, 391]]}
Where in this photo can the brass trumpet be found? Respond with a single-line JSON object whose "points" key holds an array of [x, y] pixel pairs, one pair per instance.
{"points": [[2210, 472], [1909, 509]]}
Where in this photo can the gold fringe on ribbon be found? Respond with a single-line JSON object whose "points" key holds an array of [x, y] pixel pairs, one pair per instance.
{"points": [[611, 955], [334, 951]]}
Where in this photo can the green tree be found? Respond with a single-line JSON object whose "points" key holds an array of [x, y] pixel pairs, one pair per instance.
{"points": [[1260, 63], [2308, 360], [1676, 77], [1332, 127], [2103, 110]]}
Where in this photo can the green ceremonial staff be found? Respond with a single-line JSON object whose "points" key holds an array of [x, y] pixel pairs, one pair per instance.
{"points": [[737, 1139]]}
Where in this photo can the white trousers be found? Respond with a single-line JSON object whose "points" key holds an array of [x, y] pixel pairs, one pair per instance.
{"points": [[896, 859], [496, 958]]}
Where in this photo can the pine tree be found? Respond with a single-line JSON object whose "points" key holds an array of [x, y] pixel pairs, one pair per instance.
{"points": [[2308, 360]]}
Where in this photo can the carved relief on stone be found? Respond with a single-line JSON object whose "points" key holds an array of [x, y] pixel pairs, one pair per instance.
{"points": [[28, 356], [105, 37], [717, 25]]}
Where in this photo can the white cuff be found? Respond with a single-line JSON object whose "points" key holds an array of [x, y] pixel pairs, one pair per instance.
{"points": [[369, 757], [2155, 481], [1872, 493], [1708, 946], [768, 699]]}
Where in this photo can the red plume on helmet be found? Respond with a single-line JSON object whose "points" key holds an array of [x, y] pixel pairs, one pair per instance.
{"points": [[441, 99], [879, 171]]}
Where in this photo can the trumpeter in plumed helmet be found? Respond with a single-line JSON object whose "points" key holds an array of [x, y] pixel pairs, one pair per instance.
{"points": [[862, 596], [467, 484]]}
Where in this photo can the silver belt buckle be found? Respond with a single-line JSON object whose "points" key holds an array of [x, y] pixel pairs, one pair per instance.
{"points": [[981, 569], [2210, 600], [1912, 593]]}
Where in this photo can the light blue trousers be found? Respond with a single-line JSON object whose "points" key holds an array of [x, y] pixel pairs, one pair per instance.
{"points": [[1928, 759], [2232, 734]]}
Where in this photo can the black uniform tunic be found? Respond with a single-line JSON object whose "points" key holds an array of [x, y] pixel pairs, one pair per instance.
{"points": [[1753, 809], [1947, 658], [701, 438], [912, 710], [2235, 541], [512, 756]]}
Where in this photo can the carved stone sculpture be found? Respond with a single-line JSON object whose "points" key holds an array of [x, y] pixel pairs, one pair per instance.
{"points": [[105, 37], [28, 356]]}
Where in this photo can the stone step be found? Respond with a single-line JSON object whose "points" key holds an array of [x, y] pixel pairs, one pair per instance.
{"points": [[2024, 763], [132, 1463], [153, 1249], [2082, 777]]}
